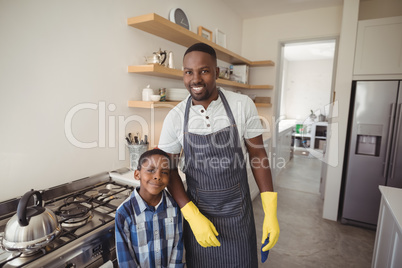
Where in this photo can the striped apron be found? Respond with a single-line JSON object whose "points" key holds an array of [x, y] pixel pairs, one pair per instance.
{"points": [[217, 184]]}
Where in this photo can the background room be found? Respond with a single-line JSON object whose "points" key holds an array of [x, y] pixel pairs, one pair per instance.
{"points": [[306, 85]]}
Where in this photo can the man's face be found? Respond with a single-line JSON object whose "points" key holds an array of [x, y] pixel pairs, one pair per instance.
{"points": [[199, 77]]}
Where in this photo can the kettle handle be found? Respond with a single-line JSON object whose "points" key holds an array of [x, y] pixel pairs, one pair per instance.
{"points": [[23, 220], [164, 53]]}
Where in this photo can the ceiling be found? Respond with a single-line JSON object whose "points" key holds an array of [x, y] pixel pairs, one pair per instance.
{"points": [[247, 9]]}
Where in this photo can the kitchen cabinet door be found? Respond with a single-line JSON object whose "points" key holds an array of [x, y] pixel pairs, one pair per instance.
{"points": [[388, 241], [283, 151], [379, 47], [286, 145]]}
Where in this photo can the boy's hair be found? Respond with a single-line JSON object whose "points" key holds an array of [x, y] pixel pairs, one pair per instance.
{"points": [[145, 156], [203, 48]]}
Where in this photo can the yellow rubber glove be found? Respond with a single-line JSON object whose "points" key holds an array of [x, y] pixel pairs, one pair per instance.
{"points": [[203, 229], [270, 225]]}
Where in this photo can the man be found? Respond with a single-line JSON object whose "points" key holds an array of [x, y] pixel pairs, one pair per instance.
{"points": [[220, 230]]}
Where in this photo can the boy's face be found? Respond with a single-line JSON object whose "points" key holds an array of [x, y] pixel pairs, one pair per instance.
{"points": [[154, 176]]}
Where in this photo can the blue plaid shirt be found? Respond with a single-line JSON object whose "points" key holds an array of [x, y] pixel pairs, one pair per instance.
{"points": [[149, 238]]}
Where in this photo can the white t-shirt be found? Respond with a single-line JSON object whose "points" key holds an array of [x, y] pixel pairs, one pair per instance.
{"points": [[206, 121]]}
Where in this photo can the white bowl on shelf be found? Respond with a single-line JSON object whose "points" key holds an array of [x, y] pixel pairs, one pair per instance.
{"points": [[155, 97]]}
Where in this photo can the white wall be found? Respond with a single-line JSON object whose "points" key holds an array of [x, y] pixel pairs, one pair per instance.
{"points": [[307, 87], [338, 119], [57, 55], [262, 37]]}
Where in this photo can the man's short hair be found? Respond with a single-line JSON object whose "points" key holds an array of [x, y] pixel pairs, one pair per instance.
{"points": [[203, 48]]}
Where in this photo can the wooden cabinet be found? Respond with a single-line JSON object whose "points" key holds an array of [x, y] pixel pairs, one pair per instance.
{"points": [[388, 240], [159, 26], [379, 47]]}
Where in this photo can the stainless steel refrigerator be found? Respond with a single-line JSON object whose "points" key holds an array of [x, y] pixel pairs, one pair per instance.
{"points": [[374, 153]]}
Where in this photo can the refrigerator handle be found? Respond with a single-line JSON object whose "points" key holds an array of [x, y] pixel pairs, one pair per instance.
{"points": [[384, 173], [396, 141]]}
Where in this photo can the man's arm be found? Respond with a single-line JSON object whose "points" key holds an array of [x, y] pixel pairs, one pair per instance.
{"points": [[203, 229], [175, 186], [259, 163]]}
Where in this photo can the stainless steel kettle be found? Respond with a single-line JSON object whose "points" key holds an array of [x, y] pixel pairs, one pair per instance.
{"points": [[32, 227], [158, 57]]}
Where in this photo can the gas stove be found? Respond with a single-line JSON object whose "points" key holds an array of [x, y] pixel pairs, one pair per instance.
{"points": [[85, 209]]}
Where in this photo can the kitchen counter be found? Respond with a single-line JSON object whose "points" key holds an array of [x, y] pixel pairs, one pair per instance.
{"points": [[393, 197], [282, 146], [285, 124], [388, 240]]}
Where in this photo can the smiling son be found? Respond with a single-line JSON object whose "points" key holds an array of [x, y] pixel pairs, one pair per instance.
{"points": [[149, 223]]}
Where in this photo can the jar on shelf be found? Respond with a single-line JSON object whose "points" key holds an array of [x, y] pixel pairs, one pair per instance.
{"points": [[146, 93]]}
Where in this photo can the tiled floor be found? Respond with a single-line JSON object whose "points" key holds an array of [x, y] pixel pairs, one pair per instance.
{"points": [[306, 239]]}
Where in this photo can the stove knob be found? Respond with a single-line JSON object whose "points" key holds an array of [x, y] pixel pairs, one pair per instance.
{"points": [[70, 265]]}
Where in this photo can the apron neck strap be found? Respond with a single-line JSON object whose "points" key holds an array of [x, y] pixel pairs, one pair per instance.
{"points": [[224, 102]]}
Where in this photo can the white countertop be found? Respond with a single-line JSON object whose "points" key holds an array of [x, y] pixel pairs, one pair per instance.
{"points": [[285, 124], [284, 128], [124, 176], [393, 197]]}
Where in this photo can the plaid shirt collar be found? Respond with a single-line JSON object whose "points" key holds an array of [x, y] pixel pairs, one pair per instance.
{"points": [[140, 205]]}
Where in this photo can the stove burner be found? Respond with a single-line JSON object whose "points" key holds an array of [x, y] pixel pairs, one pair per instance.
{"points": [[92, 193], [104, 191], [85, 209], [75, 213], [25, 254]]}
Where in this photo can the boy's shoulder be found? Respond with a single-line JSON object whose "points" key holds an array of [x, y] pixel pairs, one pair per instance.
{"points": [[130, 206]]}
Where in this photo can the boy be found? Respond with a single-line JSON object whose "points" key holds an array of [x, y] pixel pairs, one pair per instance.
{"points": [[149, 223]]}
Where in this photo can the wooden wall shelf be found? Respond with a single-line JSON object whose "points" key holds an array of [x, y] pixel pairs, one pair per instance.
{"points": [[268, 105], [170, 104], [161, 71], [159, 26], [152, 104]]}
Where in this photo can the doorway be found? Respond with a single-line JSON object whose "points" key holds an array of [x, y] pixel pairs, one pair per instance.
{"points": [[306, 79]]}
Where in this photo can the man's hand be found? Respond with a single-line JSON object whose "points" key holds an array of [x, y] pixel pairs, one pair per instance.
{"points": [[270, 225], [203, 229]]}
